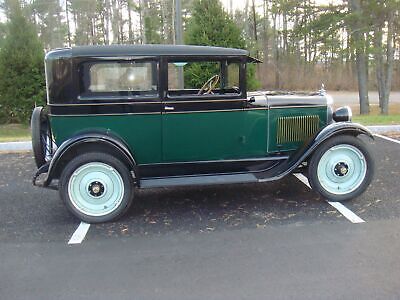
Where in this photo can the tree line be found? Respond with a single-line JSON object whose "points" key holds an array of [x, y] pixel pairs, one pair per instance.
{"points": [[345, 44]]}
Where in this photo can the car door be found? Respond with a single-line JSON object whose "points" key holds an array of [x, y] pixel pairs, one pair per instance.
{"points": [[202, 130], [201, 127], [119, 97]]}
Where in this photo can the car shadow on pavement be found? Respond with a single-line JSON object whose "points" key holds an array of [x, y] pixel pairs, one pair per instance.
{"points": [[226, 207], [28, 213]]}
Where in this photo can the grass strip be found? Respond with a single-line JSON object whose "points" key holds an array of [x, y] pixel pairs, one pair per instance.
{"points": [[14, 132]]}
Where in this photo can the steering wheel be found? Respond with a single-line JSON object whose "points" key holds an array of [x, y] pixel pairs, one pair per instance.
{"points": [[209, 85]]}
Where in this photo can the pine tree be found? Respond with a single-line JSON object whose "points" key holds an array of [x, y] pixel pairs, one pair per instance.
{"points": [[3, 34], [51, 26], [210, 25], [21, 70]]}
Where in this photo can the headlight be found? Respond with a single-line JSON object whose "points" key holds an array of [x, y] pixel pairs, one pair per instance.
{"points": [[343, 114]]}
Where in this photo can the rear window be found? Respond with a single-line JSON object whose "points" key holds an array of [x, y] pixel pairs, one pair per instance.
{"points": [[121, 78]]}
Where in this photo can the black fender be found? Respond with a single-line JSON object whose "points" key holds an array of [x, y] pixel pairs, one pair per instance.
{"points": [[71, 144], [303, 153], [348, 128], [334, 129]]}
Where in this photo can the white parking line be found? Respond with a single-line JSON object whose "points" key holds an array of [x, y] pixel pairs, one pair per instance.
{"points": [[303, 179], [347, 213], [352, 217], [79, 234], [387, 138]]}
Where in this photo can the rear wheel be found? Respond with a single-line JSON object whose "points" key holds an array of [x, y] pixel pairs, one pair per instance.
{"points": [[96, 187], [342, 168]]}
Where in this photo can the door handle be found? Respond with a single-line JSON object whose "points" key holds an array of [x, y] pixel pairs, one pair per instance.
{"points": [[251, 99], [169, 108]]}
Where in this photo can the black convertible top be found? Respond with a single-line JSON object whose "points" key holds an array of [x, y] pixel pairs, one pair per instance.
{"points": [[146, 50]]}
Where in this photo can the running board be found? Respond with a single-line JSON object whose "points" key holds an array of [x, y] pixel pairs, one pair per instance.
{"points": [[197, 180]]}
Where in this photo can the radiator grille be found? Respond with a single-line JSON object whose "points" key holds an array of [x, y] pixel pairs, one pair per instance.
{"points": [[296, 129]]}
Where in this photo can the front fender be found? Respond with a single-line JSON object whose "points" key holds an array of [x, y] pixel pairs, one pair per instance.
{"points": [[324, 134], [342, 128], [309, 147], [86, 139]]}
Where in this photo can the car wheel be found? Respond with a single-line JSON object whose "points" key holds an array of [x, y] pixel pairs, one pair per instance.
{"points": [[42, 144], [341, 168], [96, 187]]}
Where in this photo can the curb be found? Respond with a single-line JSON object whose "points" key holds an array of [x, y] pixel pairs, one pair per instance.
{"points": [[384, 128], [16, 146], [27, 145]]}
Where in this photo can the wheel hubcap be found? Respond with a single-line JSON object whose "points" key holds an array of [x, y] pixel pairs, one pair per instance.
{"points": [[342, 169], [96, 189]]}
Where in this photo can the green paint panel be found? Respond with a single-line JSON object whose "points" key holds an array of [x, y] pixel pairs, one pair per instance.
{"points": [[202, 136], [215, 135], [255, 131], [276, 114], [192, 136], [142, 133]]}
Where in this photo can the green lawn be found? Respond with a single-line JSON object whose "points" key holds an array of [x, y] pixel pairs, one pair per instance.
{"points": [[375, 118], [393, 119], [14, 132]]}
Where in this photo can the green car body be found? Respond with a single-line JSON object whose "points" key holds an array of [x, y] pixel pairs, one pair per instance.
{"points": [[125, 101], [188, 136]]}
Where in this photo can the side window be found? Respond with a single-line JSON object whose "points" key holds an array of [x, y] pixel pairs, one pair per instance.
{"points": [[204, 79], [232, 81], [120, 78]]}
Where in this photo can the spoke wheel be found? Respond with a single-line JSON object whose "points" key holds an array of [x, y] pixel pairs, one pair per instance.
{"points": [[96, 187], [341, 168]]}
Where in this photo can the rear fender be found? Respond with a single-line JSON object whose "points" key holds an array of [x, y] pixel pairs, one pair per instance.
{"points": [[84, 142]]}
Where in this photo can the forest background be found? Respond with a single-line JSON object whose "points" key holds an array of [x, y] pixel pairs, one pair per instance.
{"points": [[346, 45]]}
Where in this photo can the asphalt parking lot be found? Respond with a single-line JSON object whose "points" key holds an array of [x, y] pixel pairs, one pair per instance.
{"points": [[275, 240]]}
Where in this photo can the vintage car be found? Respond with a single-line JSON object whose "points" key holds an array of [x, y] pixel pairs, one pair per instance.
{"points": [[122, 117]]}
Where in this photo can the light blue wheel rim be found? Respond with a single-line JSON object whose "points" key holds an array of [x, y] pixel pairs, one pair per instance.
{"points": [[347, 155], [84, 201]]}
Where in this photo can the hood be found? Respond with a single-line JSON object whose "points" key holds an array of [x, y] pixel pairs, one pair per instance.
{"points": [[277, 99]]}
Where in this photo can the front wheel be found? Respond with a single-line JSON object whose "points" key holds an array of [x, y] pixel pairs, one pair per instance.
{"points": [[96, 187], [341, 168]]}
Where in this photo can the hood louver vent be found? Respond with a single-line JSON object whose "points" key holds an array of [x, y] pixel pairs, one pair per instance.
{"points": [[296, 129]]}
